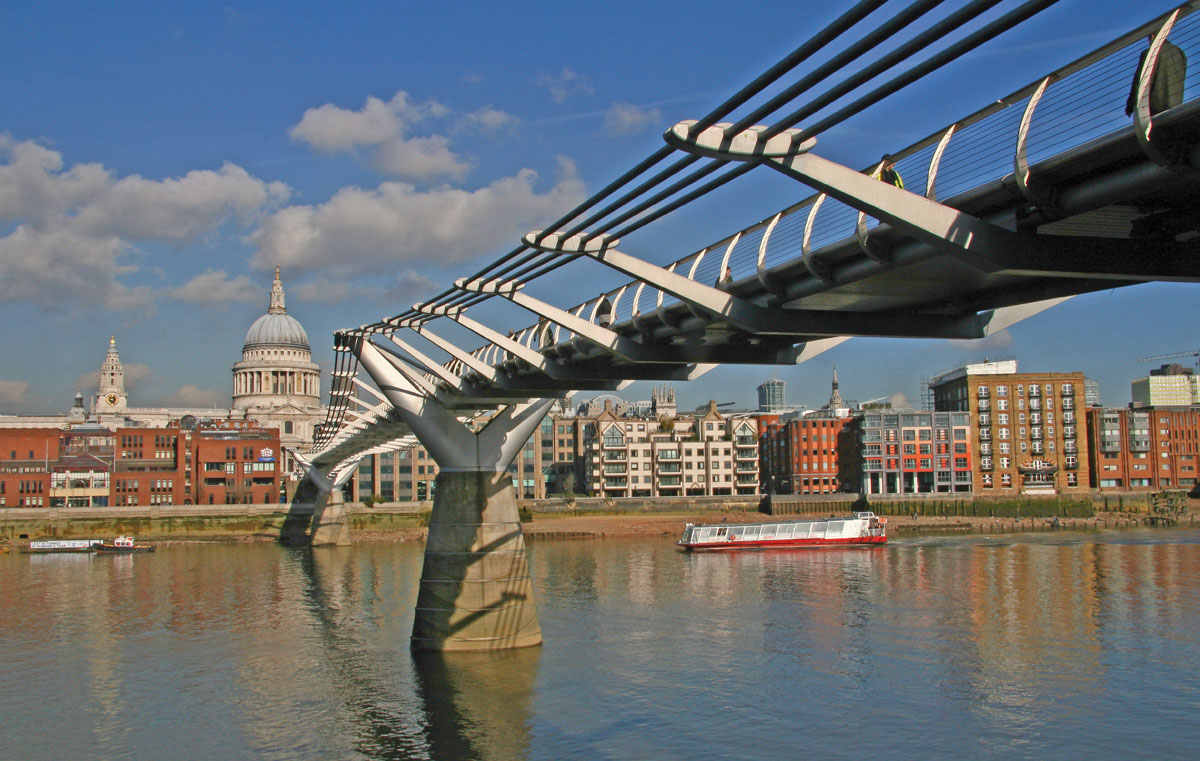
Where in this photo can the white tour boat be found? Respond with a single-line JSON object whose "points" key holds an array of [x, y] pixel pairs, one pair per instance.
{"points": [[860, 529]]}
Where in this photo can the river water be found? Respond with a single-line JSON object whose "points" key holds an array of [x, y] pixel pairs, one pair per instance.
{"points": [[1061, 646]]}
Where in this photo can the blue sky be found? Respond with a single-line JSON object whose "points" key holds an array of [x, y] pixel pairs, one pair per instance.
{"points": [[156, 160]]}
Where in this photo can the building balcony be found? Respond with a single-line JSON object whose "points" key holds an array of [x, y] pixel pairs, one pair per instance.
{"points": [[985, 435], [1068, 390], [670, 481], [985, 449], [616, 468], [1035, 391], [670, 467], [615, 483], [746, 454], [984, 404], [747, 467], [747, 480], [615, 456], [1068, 404], [1070, 448], [982, 392], [666, 454], [985, 463], [1035, 403], [614, 445], [1068, 417], [985, 419]]}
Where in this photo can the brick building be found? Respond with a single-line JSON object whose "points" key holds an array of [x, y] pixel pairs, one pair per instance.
{"points": [[26, 455], [914, 452], [188, 463], [1143, 449], [805, 456], [1029, 427]]}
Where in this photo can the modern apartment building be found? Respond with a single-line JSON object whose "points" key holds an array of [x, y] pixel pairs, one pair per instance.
{"points": [[1029, 427], [913, 452], [1144, 449], [705, 454]]}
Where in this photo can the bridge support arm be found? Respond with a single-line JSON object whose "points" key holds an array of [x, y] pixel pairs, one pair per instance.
{"points": [[475, 592]]}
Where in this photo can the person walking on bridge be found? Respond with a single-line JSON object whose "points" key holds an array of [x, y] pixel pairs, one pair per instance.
{"points": [[887, 171], [1166, 87]]}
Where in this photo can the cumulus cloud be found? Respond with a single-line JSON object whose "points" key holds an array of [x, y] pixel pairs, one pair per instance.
{"points": [[194, 396], [488, 119], [74, 230], [13, 392], [407, 287], [627, 119], [373, 230], [216, 286], [565, 84], [382, 127], [136, 373]]}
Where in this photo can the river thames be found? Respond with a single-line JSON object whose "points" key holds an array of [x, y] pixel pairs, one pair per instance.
{"points": [[1062, 646]]}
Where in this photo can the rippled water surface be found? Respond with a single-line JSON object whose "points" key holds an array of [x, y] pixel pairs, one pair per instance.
{"points": [[1063, 646]]}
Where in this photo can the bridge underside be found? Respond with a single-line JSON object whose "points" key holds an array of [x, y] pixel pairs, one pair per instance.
{"points": [[1117, 210]]}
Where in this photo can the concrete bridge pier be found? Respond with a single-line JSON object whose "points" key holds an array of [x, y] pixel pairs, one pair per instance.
{"points": [[475, 591], [317, 513]]}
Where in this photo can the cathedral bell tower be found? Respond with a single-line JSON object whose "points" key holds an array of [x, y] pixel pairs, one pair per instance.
{"points": [[110, 396]]}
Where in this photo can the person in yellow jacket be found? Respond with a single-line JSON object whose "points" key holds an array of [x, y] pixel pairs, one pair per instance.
{"points": [[887, 172]]}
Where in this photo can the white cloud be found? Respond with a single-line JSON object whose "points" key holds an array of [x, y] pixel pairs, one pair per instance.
{"points": [[489, 119], [216, 286], [136, 373], [194, 396], [72, 231], [566, 83], [13, 392], [420, 158], [383, 128], [375, 230], [627, 119], [407, 287]]}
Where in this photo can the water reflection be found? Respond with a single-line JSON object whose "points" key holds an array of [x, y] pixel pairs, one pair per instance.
{"points": [[1038, 647], [471, 706]]}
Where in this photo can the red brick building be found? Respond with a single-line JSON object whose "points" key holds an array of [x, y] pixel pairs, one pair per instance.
{"points": [[194, 463], [25, 458], [803, 456], [227, 462], [1144, 449]]}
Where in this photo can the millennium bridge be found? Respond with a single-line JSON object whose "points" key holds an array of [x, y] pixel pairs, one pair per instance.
{"points": [[1086, 179]]}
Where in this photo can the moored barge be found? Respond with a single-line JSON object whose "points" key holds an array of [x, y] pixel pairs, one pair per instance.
{"points": [[860, 529]]}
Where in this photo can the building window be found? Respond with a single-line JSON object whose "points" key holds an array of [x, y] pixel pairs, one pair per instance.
{"points": [[287, 426]]}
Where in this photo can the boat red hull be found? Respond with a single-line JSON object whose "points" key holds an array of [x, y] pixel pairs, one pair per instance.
{"points": [[770, 544]]}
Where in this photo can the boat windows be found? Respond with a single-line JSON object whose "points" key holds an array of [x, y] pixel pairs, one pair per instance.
{"points": [[721, 532]]}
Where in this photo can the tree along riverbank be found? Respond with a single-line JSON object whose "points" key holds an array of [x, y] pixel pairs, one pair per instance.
{"points": [[551, 519]]}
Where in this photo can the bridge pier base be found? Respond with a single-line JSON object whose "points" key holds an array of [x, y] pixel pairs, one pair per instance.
{"points": [[330, 526], [475, 593]]}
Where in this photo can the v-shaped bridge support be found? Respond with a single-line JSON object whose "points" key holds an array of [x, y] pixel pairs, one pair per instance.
{"points": [[475, 591]]}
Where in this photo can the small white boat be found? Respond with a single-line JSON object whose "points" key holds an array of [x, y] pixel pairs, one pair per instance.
{"points": [[860, 529]]}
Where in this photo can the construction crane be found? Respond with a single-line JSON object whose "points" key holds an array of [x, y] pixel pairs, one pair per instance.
{"points": [[1176, 355]]}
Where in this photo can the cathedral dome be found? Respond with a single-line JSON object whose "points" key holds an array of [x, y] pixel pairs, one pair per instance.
{"points": [[276, 330], [276, 327]]}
